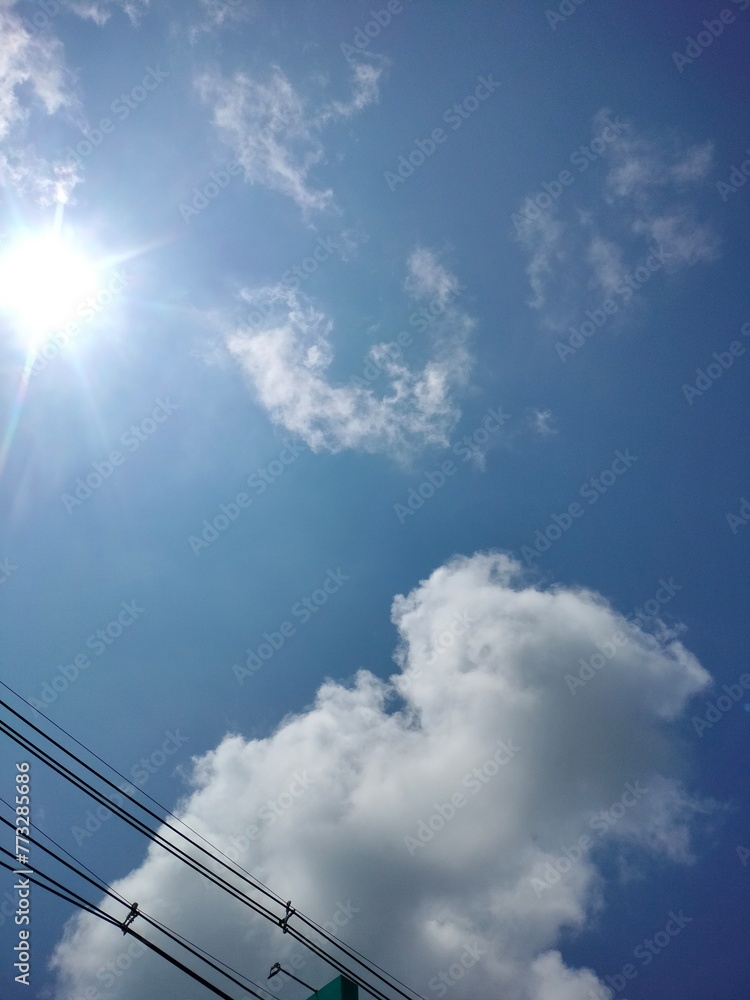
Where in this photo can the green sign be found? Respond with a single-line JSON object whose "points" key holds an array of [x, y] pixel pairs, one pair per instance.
{"points": [[339, 989]]}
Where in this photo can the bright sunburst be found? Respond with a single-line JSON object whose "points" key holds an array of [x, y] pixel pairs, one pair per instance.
{"points": [[43, 279]]}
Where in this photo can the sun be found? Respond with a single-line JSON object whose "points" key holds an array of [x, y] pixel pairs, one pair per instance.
{"points": [[43, 279]]}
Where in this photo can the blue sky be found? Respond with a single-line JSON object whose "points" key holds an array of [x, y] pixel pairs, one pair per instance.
{"points": [[403, 417]]}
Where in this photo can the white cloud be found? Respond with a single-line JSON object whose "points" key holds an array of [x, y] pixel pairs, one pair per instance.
{"points": [[684, 241], [483, 655], [542, 237], [605, 258], [100, 11], [29, 174], [428, 279], [274, 133], [29, 59], [287, 360], [269, 132], [221, 13], [634, 197], [639, 166], [365, 91], [33, 76], [542, 422], [641, 174]]}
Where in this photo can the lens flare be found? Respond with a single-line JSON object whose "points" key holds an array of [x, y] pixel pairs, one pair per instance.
{"points": [[43, 278]]}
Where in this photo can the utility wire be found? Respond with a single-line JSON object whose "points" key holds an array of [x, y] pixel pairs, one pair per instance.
{"points": [[103, 886], [83, 904], [64, 893], [114, 770], [196, 865], [201, 869], [35, 826], [137, 824], [95, 881], [151, 919], [347, 949], [246, 877]]}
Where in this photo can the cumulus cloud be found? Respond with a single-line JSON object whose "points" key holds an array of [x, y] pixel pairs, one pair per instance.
{"points": [[346, 807], [584, 245], [274, 133], [287, 357]]}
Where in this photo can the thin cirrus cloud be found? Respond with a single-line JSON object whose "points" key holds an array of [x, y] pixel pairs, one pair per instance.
{"points": [[274, 133], [366, 833], [287, 358], [100, 11], [638, 195], [221, 13], [542, 422]]}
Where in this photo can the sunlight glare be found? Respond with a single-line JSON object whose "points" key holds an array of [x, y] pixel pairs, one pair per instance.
{"points": [[43, 279]]}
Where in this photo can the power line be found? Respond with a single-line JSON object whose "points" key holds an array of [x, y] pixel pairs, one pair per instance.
{"points": [[137, 824], [309, 944], [114, 770], [83, 904], [62, 891], [347, 949], [201, 869], [86, 786], [194, 864], [36, 826], [100, 884]]}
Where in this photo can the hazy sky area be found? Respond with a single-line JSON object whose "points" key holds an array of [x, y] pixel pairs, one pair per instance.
{"points": [[374, 493]]}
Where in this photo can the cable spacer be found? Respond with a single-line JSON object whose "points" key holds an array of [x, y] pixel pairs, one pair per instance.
{"points": [[285, 919]]}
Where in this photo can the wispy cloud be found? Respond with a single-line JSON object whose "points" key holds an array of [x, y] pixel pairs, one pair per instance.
{"points": [[684, 240], [33, 78], [639, 194], [542, 237], [287, 361], [100, 11], [221, 13], [641, 166], [365, 91], [428, 279], [274, 133], [542, 422], [22, 169], [29, 60], [605, 259]]}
